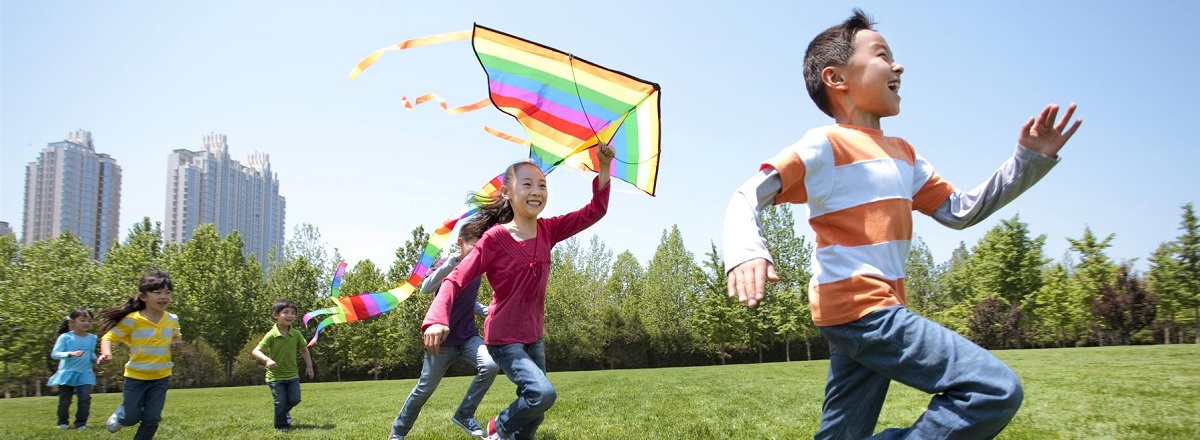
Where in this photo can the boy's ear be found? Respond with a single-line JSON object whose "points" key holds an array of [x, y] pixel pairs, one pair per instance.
{"points": [[832, 77]]}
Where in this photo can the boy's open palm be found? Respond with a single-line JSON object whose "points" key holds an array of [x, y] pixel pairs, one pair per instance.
{"points": [[747, 281], [1043, 135]]}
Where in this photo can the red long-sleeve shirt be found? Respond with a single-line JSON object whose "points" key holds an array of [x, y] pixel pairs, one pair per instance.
{"points": [[518, 272]]}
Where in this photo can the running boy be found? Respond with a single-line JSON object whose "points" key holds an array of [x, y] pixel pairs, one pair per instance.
{"points": [[277, 351], [860, 187]]}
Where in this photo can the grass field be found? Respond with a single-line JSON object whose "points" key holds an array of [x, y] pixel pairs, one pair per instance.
{"points": [[1144, 392]]}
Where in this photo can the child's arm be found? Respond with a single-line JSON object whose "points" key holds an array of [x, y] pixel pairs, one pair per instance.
{"points": [[434, 280], [105, 351], [747, 262], [564, 226], [262, 357], [436, 326], [60, 349], [308, 369], [604, 155], [1036, 153]]}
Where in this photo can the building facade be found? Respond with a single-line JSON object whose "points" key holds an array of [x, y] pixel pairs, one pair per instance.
{"points": [[206, 186], [72, 188]]}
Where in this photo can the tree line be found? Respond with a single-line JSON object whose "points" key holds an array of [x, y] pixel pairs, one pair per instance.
{"points": [[602, 310]]}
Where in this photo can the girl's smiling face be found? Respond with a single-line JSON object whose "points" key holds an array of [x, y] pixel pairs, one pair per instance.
{"points": [[527, 192], [156, 300]]}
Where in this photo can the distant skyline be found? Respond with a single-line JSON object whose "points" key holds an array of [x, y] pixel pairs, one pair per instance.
{"points": [[149, 77]]}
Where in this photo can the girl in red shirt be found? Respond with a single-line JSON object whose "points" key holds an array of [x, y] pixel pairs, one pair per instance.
{"points": [[515, 255]]}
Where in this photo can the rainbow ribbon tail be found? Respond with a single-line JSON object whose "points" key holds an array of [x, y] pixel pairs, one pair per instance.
{"points": [[317, 333]]}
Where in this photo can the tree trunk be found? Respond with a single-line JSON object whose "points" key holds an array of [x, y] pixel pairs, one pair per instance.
{"points": [[6, 395], [787, 349], [760, 350], [808, 348], [375, 366], [1197, 319]]}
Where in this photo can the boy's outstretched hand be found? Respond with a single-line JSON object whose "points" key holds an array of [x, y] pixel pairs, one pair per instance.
{"points": [[1043, 135], [747, 281]]}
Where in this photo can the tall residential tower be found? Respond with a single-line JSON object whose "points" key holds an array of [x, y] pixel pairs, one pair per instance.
{"points": [[206, 186], [72, 188]]}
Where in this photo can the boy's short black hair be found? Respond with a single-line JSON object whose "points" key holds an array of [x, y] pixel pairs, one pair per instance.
{"points": [[282, 304], [831, 48]]}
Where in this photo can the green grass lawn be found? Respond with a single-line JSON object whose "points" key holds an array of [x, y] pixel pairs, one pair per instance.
{"points": [[1145, 392]]}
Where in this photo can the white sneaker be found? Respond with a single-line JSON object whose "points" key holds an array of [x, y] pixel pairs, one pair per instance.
{"points": [[114, 421], [81, 427], [64, 426]]}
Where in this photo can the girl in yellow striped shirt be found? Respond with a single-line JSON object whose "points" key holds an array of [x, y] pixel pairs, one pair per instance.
{"points": [[143, 324]]}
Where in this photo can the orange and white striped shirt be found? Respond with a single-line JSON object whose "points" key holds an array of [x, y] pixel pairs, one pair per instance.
{"points": [[861, 188]]}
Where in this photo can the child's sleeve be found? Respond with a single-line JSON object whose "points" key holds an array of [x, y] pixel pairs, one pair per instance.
{"points": [[471, 267], [60, 348], [120, 332], [265, 341], [1017, 174], [434, 280], [741, 237], [564, 226]]}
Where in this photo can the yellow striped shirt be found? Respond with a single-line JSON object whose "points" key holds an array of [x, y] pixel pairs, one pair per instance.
{"points": [[149, 344]]}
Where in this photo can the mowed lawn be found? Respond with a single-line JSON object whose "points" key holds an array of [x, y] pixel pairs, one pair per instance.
{"points": [[1144, 392]]}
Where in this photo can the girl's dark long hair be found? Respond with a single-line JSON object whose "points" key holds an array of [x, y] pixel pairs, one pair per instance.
{"points": [[151, 281], [498, 210], [66, 323]]}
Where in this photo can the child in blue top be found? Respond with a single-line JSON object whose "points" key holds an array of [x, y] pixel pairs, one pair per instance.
{"points": [[75, 350]]}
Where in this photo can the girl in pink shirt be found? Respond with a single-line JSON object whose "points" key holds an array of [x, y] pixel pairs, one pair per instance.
{"points": [[515, 255]]}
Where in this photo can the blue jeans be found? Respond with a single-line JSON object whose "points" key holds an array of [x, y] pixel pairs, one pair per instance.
{"points": [[143, 401], [525, 366], [64, 404], [473, 352], [286, 394], [974, 394]]}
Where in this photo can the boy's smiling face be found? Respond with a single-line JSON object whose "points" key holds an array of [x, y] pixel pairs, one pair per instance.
{"points": [[872, 77], [286, 316]]}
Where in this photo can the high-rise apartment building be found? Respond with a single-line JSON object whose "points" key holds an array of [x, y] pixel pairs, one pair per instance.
{"points": [[72, 188], [206, 186]]}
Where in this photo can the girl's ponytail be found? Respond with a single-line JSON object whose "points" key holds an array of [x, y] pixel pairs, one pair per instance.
{"points": [[110, 317]]}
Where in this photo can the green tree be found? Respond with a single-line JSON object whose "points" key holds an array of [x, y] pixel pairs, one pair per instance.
{"points": [[784, 314], [1059, 317], [670, 293], [1007, 265], [1094, 271], [723, 325], [216, 286], [1165, 279], [953, 306], [625, 337], [921, 280], [372, 343], [52, 277]]}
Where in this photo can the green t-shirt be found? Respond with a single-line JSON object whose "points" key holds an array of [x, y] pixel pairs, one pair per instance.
{"points": [[283, 351]]}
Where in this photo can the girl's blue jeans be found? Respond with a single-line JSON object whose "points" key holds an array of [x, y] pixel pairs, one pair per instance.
{"points": [[975, 395], [525, 366]]}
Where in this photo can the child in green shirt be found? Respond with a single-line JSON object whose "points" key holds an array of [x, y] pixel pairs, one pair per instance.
{"points": [[278, 351]]}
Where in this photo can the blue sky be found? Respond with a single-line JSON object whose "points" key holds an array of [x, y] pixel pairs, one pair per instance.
{"points": [[147, 77]]}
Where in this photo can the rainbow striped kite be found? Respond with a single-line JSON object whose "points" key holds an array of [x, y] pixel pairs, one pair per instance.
{"points": [[365, 305], [566, 104]]}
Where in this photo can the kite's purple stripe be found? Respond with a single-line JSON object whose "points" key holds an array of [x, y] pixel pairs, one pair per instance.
{"points": [[549, 105]]}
